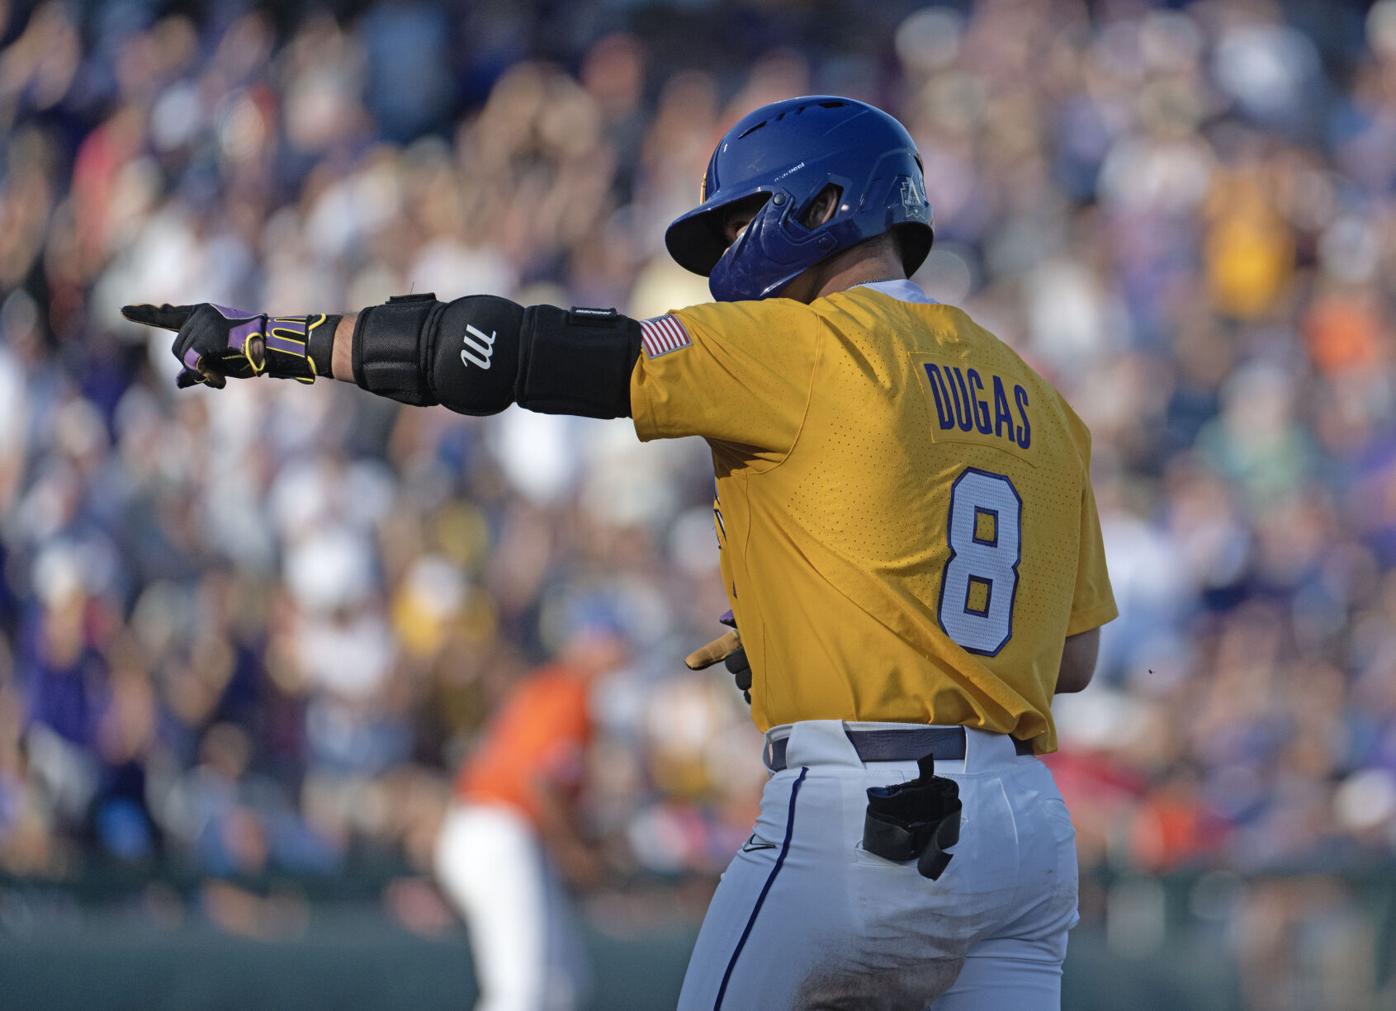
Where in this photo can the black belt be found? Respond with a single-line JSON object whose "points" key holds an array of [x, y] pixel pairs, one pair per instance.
{"points": [[944, 744]]}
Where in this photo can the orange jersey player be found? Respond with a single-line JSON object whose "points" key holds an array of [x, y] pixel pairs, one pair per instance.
{"points": [[514, 825]]}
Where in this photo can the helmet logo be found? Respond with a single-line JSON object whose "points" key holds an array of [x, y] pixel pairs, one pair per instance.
{"points": [[913, 198]]}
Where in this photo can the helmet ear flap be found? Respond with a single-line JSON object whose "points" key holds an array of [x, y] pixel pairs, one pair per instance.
{"points": [[698, 239], [747, 207], [744, 264]]}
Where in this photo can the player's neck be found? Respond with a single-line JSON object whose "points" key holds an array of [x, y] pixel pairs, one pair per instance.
{"points": [[854, 267]]}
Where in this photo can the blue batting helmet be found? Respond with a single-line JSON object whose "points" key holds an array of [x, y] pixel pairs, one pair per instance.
{"points": [[791, 151]]}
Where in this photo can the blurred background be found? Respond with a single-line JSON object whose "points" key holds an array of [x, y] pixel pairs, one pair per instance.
{"points": [[246, 638]]}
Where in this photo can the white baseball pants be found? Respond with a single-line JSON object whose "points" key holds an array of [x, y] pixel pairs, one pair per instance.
{"points": [[804, 918], [526, 953]]}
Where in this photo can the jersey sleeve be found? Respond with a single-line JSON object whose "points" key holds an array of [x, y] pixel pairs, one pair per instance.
{"points": [[739, 373], [1092, 602]]}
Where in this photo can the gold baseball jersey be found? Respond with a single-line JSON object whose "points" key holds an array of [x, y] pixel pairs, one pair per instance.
{"points": [[904, 507]]}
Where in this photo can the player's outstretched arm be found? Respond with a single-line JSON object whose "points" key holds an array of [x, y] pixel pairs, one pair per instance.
{"points": [[475, 355]]}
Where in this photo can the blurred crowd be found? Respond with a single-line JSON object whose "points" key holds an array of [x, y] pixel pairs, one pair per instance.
{"points": [[254, 631]]}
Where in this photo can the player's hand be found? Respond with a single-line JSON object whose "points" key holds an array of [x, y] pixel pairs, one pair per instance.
{"points": [[727, 648], [215, 343], [212, 342]]}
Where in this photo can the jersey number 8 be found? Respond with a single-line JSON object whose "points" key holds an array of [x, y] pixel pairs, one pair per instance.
{"points": [[980, 580]]}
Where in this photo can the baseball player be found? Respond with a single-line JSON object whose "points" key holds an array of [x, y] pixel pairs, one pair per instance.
{"points": [[908, 537], [513, 835]]}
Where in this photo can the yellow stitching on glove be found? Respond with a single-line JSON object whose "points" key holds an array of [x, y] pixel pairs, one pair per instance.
{"points": [[294, 336], [247, 353]]}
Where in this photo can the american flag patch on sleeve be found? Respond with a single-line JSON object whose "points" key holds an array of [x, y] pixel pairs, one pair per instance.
{"points": [[663, 334]]}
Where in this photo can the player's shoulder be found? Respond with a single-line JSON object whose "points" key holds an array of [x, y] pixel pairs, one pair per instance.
{"points": [[865, 304], [764, 316], [901, 310]]}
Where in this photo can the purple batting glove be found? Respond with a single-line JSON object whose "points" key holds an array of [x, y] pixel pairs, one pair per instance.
{"points": [[215, 342]]}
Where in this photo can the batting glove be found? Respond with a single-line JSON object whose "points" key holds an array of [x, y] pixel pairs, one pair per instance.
{"points": [[727, 648], [215, 343]]}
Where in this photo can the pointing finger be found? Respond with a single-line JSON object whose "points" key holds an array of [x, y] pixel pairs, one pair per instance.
{"points": [[720, 648], [169, 317]]}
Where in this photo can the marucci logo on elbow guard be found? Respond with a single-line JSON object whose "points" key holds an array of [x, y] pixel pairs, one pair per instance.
{"points": [[479, 347]]}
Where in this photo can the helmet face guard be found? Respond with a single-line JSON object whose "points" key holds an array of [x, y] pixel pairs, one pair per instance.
{"points": [[794, 150]]}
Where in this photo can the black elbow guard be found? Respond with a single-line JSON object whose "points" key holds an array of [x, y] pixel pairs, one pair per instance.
{"points": [[462, 354], [577, 361], [479, 354]]}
